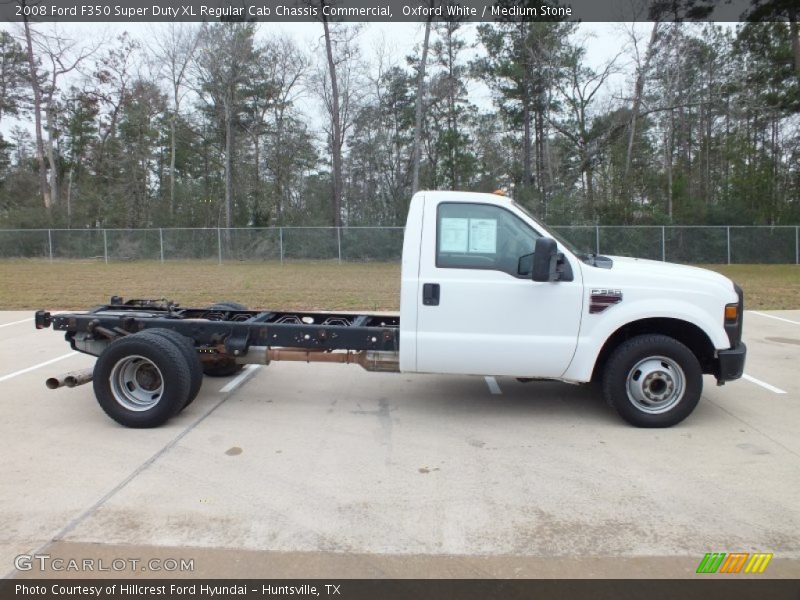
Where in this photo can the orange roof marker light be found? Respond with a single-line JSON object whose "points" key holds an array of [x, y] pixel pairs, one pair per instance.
{"points": [[500, 192]]}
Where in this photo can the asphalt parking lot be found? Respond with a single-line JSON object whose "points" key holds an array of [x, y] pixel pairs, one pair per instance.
{"points": [[330, 471]]}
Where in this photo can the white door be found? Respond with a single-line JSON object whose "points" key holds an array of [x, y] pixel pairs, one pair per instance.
{"points": [[477, 313]]}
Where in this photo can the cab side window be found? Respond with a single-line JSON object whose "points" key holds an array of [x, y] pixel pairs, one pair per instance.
{"points": [[482, 236]]}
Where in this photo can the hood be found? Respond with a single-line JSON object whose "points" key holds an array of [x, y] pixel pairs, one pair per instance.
{"points": [[657, 274]]}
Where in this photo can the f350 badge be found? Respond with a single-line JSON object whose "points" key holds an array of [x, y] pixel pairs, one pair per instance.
{"points": [[601, 299]]}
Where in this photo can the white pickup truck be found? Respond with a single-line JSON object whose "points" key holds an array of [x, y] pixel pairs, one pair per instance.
{"points": [[486, 290]]}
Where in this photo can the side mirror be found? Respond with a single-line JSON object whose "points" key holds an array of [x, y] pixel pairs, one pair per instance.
{"points": [[545, 260]]}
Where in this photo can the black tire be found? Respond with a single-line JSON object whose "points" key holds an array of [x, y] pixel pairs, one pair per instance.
{"points": [[223, 367], [186, 347], [141, 380], [652, 381]]}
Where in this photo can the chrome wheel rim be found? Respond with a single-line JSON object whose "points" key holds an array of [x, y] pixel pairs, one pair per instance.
{"points": [[136, 383], [655, 384]]}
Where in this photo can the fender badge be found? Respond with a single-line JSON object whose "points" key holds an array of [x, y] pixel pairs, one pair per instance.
{"points": [[601, 299]]}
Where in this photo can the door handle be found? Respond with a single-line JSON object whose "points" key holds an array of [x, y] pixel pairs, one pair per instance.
{"points": [[430, 294]]}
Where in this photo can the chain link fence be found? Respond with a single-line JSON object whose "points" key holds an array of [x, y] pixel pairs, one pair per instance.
{"points": [[683, 244]]}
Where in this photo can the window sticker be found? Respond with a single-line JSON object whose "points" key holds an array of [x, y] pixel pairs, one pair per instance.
{"points": [[483, 236], [454, 235]]}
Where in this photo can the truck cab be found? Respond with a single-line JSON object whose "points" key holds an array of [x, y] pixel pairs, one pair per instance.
{"points": [[487, 289]]}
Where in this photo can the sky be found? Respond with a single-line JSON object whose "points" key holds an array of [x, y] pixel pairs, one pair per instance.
{"points": [[600, 39]]}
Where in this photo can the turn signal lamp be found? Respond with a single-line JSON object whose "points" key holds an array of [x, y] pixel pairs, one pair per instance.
{"points": [[731, 313]]}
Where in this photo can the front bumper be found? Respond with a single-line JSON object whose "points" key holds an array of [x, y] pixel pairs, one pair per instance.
{"points": [[730, 363]]}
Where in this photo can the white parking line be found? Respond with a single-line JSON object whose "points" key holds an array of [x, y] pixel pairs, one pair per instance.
{"points": [[760, 314], [15, 323], [246, 374], [493, 387], [39, 366], [764, 384]]}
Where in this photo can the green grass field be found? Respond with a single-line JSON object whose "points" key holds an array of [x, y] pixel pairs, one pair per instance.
{"points": [[75, 284]]}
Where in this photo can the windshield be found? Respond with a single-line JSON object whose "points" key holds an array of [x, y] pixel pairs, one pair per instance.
{"points": [[559, 238]]}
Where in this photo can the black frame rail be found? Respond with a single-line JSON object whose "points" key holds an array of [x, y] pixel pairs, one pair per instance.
{"points": [[236, 330]]}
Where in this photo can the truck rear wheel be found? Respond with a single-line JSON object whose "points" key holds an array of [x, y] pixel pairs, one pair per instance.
{"points": [[223, 367], [141, 380], [653, 381], [186, 347]]}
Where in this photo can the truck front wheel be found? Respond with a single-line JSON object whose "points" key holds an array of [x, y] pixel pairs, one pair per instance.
{"points": [[653, 381]]}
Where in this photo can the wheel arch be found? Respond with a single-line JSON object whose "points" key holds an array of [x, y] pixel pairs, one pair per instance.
{"points": [[689, 334]]}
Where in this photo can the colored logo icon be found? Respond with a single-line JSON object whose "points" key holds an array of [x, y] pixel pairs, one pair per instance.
{"points": [[734, 562]]}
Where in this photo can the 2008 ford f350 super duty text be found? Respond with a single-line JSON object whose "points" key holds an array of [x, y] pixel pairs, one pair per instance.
{"points": [[486, 290]]}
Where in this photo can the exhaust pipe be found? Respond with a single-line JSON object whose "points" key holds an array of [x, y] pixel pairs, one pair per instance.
{"points": [[72, 379], [371, 360]]}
